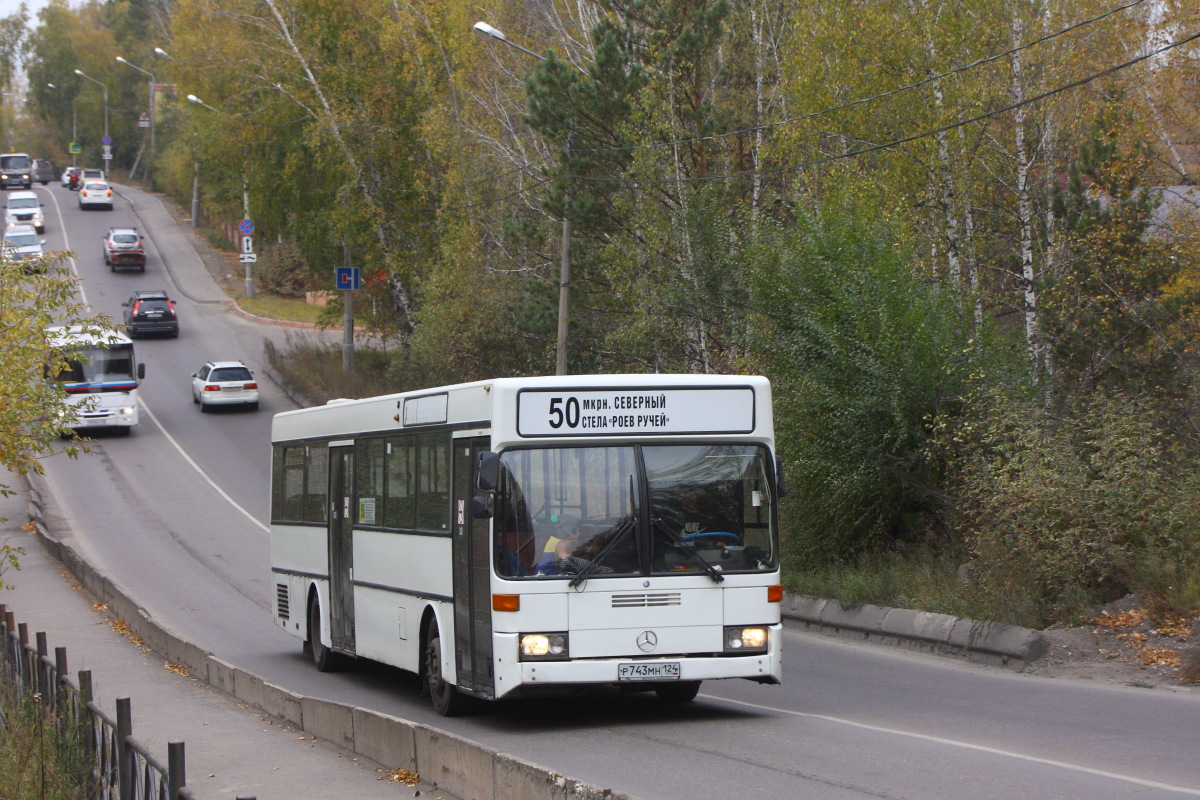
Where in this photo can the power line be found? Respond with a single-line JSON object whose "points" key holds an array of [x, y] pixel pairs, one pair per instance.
{"points": [[906, 139], [872, 98]]}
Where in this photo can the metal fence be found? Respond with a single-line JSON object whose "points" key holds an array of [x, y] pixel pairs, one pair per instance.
{"points": [[122, 768]]}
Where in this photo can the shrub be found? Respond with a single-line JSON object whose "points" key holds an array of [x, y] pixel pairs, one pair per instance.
{"points": [[1063, 508], [282, 270]]}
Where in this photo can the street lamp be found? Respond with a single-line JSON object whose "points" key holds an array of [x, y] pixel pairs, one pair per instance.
{"points": [[485, 31], [74, 125], [245, 194], [107, 141], [163, 53], [153, 101]]}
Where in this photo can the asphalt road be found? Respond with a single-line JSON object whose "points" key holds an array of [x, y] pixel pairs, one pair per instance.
{"points": [[176, 514]]}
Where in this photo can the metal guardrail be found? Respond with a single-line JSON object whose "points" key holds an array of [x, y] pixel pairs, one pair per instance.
{"points": [[122, 768]]}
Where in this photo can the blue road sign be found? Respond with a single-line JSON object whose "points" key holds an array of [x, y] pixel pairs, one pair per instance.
{"points": [[347, 277], [106, 140], [246, 227]]}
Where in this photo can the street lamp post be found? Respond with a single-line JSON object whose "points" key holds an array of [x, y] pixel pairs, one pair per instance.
{"points": [[485, 31], [153, 103], [74, 125], [245, 193], [103, 86]]}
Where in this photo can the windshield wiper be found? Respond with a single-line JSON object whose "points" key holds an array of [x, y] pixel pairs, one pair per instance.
{"points": [[624, 527], [712, 571]]}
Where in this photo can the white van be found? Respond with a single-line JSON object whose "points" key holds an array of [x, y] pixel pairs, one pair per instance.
{"points": [[24, 208]]}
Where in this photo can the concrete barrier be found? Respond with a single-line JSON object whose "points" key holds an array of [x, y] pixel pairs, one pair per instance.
{"points": [[985, 642]]}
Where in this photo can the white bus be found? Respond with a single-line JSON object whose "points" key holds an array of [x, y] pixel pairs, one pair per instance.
{"points": [[100, 378], [531, 536]]}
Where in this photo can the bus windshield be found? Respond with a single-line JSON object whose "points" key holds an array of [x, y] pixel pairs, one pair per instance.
{"points": [[100, 367], [17, 161], [608, 511]]}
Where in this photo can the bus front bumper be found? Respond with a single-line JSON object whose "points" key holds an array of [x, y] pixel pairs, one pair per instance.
{"points": [[517, 676]]}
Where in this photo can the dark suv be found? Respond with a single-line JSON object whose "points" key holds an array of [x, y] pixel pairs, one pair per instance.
{"points": [[150, 312], [123, 248]]}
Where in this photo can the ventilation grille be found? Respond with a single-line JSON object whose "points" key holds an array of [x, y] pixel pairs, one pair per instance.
{"points": [[646, 600], [282, 601]]}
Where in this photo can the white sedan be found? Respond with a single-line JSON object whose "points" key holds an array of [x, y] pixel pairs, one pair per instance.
{"points": [[223, 383]]}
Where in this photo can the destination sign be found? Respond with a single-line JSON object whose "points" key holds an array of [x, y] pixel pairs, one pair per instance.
{"points": [[618, 412]]}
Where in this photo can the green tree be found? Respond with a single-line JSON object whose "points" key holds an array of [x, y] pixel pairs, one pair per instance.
{"points": [[863, 354], [32, 408], [1114, 320]]}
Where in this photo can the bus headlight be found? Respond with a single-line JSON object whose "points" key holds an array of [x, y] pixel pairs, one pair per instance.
{"points": [[746, 640], [127, 411], [544, 647]]}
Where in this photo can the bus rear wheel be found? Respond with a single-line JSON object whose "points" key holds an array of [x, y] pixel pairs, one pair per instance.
{"points": [[446, 699], [682, 692]]}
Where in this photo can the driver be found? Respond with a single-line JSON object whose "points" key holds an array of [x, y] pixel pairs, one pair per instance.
{"points": [[574, 543]]}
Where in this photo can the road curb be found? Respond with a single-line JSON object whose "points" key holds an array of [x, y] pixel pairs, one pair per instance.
{"points": [[456, 765], [992, 643]]}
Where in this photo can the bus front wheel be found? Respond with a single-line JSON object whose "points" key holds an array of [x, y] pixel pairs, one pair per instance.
{"points": [[446, 699], [325, 659], [682, 692]]}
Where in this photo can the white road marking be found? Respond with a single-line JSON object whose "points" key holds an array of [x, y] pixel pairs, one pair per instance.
{"points": [[197, 467], [968, 746], [67, 242]]}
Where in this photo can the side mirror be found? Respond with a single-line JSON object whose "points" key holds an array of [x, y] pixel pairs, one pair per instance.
{"points": [[487, 471], [141, 371], [482, 506], [780, 486]]}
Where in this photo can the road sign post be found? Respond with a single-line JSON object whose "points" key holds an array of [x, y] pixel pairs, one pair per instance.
{"points": [[347, 279], [248, 255]]}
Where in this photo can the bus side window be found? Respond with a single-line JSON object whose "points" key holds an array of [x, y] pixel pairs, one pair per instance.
{"points": [[433, 482]]}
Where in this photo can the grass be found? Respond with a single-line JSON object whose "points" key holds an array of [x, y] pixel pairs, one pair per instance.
{"points": [[284, 308], [36, 761], [924, 581]]}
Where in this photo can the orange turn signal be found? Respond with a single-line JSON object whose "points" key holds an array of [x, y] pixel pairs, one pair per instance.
{"points": [[506, 602], [775, 594]]}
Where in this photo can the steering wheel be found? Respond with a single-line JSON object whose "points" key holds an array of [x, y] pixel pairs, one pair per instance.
{"points": [[733, 537]]}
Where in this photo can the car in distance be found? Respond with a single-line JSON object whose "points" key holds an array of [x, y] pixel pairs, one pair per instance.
{"points": [[95, 194], [24, 208], [123, 248], [43, 171], [21, 243], [92, 174], [224, 383], [16, 169], [68, 173], [150, 312]]}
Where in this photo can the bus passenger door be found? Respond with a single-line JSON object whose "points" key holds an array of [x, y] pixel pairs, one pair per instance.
{"points": [[472, 576], [341, 547]]}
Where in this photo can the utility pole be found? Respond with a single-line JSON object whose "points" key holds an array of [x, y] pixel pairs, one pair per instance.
{"points": [[347, 318]]}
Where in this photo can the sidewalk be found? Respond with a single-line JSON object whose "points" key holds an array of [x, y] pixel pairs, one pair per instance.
{"points": [[232, 750]]}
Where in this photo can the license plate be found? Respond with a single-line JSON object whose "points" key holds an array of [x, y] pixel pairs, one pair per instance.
{"points": [[666, 671]]}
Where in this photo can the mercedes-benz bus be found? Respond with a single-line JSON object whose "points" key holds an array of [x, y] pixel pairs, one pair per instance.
{"points": [[522, 537]]}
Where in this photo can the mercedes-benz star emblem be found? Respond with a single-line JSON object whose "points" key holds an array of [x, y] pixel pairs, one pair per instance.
{"points": [[647, 641]]}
